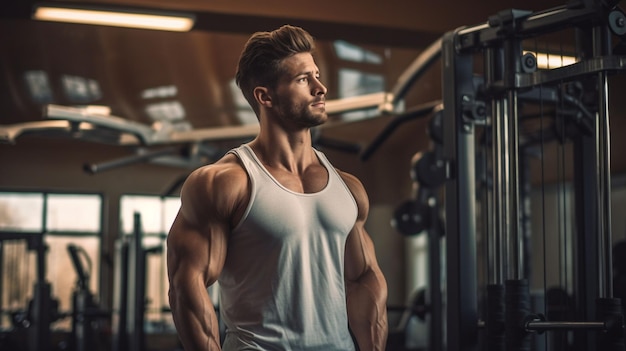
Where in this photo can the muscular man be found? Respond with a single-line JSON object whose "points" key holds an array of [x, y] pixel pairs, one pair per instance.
{"points": [[277, 225]]}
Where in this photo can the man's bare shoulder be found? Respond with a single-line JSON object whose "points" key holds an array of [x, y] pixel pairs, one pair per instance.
{"points": [[358, 191], [224, 169], [227, 175], [352, 182]]}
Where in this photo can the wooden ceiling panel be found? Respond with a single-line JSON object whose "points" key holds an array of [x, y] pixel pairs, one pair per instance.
{"points": [[201, 63]]}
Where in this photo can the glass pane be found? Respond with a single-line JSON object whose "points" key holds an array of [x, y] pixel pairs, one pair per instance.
{"points": [[158, 317], [39, 86], [62, 272], [171, 206], [170, 111], [245, 114], [81, 89], [73, 213], [351, 52], [150, 209], [21, 212], [355, 83], [18, 276]]}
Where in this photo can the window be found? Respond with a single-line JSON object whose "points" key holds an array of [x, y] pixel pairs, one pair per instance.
{"points": [[169, 111], [354, 83], [360, 72], [62, 274], [80, 89], [57, 220], [39, 86], [157, 214], [73, 213], [244, 111], [17, 212], [351, 52]]}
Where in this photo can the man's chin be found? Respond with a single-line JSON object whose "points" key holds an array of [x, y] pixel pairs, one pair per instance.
{"points": [[319, 122], [322, 117], [317, 119]]}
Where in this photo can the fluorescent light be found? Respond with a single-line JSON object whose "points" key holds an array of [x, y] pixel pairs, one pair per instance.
{"points": [[549, 61], [112, 18]]}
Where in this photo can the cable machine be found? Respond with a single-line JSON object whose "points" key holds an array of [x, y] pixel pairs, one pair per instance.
{"points": [[483, 111]]}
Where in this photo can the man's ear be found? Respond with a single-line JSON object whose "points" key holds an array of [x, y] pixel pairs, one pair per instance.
{"points": [[262, 96]]}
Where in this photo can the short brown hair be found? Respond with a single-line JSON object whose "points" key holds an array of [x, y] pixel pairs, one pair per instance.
{"points": [[259, 63]]}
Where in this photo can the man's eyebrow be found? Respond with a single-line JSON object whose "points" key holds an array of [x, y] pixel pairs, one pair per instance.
{"points": [[307, 73]]}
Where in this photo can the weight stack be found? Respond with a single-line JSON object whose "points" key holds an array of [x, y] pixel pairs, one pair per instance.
{"points": [[517, 302], [609, 310]]}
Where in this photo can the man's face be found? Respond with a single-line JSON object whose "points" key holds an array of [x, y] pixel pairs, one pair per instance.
{"points": [[299, 97]]}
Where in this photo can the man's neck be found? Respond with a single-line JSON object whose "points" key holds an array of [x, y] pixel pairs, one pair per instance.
{"points": [[289, 151]]}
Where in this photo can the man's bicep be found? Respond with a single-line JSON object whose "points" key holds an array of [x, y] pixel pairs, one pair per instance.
{"points": [[356, 257], [186, 251], [195, 250]]}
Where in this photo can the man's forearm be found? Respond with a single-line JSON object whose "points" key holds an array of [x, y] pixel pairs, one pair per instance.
{"points": [[196, 322], [367, 311]]}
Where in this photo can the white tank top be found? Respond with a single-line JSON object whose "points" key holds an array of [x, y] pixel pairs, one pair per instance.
{"points": [[282, 285]]}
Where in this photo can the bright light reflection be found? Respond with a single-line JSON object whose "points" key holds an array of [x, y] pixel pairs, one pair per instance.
{"points": [[548, 61]]}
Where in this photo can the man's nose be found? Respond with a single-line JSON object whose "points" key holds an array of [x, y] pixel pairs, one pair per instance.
{"points": [[319, 88]]}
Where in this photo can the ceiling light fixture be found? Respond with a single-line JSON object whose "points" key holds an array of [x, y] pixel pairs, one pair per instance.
{"points": [[177, 23]]}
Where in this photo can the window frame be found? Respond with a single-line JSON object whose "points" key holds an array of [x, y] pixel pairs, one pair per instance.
{"points": [[33, 238]]}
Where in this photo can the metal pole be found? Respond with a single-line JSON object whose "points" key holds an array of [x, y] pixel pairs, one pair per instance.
{"points": [[495, 304], [517, 242], [497, 247], [601, 44], [434, 257], [505, 181], [493, 72], [547, 325], [461, 280], [512, 66]]}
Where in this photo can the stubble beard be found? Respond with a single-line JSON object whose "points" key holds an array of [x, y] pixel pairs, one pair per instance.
{"points": [[302, 116]]}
